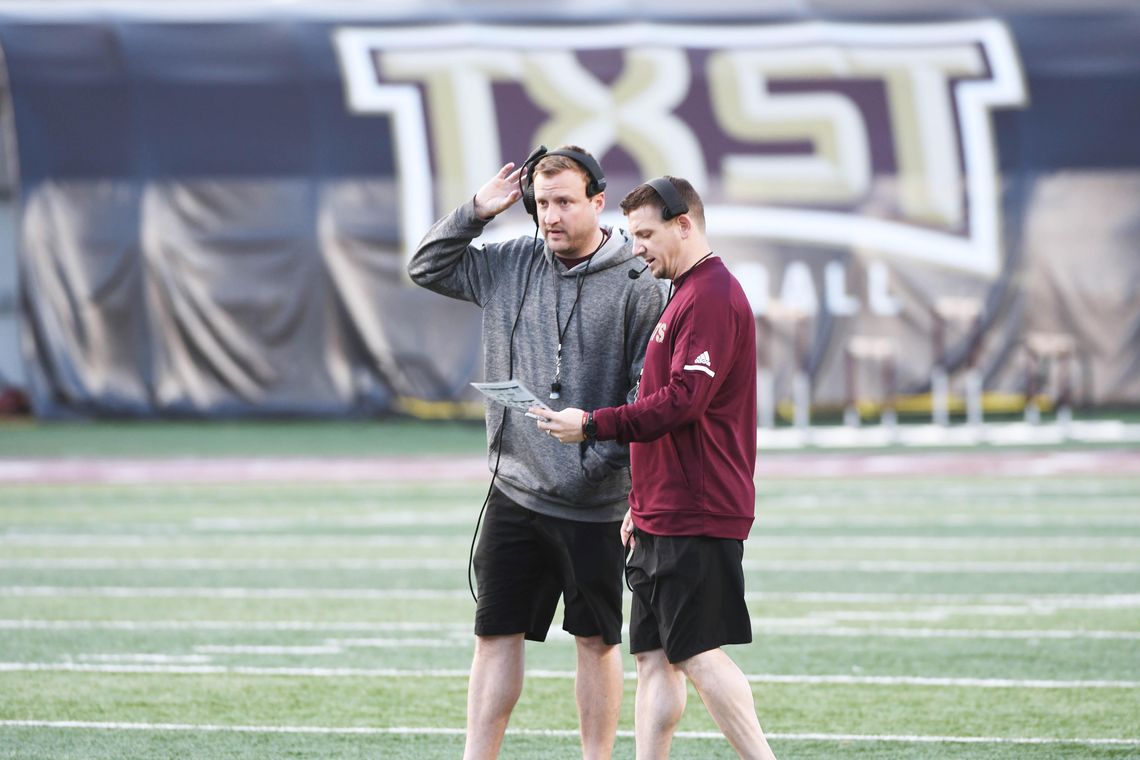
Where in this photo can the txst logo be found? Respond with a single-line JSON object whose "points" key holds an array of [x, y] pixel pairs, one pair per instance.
{"points": [[875, 138], [659, 332]]}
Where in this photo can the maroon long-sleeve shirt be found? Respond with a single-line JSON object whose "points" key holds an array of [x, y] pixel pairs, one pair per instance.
{"points": [[692, 429]]}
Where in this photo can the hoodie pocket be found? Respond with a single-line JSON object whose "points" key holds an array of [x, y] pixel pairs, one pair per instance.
{"points": [[680, 457], [688, 448], [595, 469]]}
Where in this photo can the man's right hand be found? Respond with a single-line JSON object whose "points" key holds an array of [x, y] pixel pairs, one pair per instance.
{"points": [[627, 530], [499, 194]]}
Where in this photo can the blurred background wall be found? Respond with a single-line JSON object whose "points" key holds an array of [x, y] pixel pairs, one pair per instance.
{"points": [[207, 209]]}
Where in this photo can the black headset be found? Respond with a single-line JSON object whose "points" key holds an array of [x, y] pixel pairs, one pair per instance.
{"points": [[596, 184], [674, 204]]}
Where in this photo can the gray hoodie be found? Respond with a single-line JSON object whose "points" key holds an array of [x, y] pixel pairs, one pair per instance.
{"points": [[602, 353]]}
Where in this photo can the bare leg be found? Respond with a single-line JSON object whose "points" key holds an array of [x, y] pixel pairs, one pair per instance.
{"points": [[598, 689], [725, 691], [659, 705], [494, 688]]}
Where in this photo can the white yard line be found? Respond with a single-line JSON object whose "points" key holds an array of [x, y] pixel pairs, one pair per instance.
{"points": [[207, 592], [153, 659], [199, 470], [948, 520], [948, 633], [784, 518], [208, 649], [150, 540], [111, 563], [789, 518], [374, 518], [761, 626], [413, 563], [981, 683], [424, 540], [912, 566], [1038, 601], [298, 672], [944, 542], [473, 468], [333, 646], [558, 733], [229, 625], [463, 520]]}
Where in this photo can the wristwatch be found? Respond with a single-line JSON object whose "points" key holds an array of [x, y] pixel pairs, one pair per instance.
{"points": [[590, 427]]}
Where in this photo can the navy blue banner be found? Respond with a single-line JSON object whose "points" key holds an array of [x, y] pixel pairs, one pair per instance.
{"points": [[216, 216]]}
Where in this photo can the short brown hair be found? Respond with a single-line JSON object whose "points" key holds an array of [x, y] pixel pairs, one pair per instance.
{"points": [[645, 195], [548, 166]]}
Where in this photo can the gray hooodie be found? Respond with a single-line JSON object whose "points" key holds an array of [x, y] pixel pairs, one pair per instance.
{"points": [[602, 353]]}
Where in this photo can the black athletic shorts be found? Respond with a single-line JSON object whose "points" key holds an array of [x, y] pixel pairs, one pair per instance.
{"points": [[688, 595], [526, 561]]}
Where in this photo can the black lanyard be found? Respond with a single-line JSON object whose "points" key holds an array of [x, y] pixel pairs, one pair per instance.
{"points": [[562, 329]]}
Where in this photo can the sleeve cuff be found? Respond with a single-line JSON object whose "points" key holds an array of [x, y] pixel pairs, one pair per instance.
{"points": [[473, 215], [606, 420]]}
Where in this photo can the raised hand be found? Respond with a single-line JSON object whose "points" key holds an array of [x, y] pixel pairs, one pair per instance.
{"points": [[500, 192]]}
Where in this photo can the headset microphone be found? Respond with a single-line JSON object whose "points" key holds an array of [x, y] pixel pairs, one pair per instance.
{"points": [[634, 274]]}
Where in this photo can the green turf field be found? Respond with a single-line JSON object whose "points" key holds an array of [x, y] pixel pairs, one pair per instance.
{"points": [[916, 617]]}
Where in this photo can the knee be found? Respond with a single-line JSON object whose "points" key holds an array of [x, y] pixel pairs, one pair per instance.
{"points": [[659, 674], [509, 647], [661, 692], [712, 664], [594, 646], [654, 665], [499, 660]]}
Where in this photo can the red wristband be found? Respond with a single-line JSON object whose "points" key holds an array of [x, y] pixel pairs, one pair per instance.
{"points": [[585, 419]]}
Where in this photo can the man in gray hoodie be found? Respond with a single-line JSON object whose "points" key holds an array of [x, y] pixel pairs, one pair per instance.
{"points": [[572, 316]]}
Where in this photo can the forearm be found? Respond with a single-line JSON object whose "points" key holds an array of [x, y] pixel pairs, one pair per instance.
{"points": [[677, 404], [445, 261]]}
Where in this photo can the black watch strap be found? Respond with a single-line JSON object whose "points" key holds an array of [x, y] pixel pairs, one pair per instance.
{"points": [[590, 429]]}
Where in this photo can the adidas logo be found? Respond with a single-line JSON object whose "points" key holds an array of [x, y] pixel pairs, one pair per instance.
{"points": [[701, 364]]}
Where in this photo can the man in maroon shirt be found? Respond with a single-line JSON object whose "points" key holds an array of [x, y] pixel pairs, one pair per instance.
{"points": [[692, 436]]}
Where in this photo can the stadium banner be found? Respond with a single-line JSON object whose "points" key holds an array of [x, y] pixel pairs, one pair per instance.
{"points": [[215, 217]]}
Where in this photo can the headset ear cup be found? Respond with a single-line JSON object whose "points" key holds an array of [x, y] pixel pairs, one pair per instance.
{"points": [[674, 204], [526, 182], [528, 201]]}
